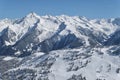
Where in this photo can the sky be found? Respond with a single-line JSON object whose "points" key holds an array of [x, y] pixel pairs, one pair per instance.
{"points": [[88, 8]]}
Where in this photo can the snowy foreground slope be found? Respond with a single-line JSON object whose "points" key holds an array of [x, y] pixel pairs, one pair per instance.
{"points": [[59, 48]]}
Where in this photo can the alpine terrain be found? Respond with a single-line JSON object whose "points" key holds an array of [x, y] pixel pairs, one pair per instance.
{"points": [[59, 48]]}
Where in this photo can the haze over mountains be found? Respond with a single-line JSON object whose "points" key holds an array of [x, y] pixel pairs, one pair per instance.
{"points": [[59, 48]]}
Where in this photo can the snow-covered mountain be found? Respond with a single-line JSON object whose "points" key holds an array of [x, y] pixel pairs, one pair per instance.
{"points": [[59, 48]]}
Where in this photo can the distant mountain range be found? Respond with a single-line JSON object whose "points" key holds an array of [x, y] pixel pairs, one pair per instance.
{"points": [[59, 48]]}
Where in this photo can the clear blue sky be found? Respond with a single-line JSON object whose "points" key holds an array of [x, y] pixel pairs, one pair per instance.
{"points": [[87, 8]]}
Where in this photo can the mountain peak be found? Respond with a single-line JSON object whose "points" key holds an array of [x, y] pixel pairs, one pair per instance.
{"points": [[32, 14]]}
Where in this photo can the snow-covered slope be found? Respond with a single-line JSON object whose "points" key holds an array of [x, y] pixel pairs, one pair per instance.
{"points": [[59, 48]]}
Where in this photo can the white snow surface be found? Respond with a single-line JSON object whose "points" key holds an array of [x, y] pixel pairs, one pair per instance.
{"points": [[92, 60], [8, 58]]}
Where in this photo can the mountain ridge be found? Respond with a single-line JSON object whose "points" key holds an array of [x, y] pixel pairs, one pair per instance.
{"points": [[34, 47]]}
